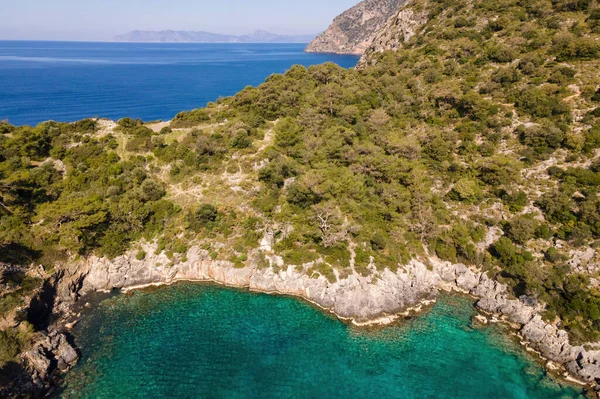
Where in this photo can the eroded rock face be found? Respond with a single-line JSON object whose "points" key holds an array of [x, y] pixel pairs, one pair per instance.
{"points": [[398, 30], [361, 299], [51, 353], [353, 31], [549, 340], [355, 297]]}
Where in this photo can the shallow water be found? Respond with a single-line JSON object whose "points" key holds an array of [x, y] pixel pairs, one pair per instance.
{"points": [[195, 341], [66, 82]]}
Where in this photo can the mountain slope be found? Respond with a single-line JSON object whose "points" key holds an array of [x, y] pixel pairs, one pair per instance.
{"points": [[353, 31], [170, 36]]}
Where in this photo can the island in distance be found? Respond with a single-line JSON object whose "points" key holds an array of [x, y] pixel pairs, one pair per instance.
{"points": [[171, 36]]}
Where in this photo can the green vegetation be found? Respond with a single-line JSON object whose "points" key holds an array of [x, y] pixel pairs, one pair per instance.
{"points": [[486, 118], [12, 342]]}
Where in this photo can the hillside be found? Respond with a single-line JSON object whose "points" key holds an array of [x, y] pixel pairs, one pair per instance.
{"points": [[475, 142], [352, 32], [170, 36]]}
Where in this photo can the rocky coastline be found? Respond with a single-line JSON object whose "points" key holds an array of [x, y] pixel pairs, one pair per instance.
{"points": [[378, 299]]}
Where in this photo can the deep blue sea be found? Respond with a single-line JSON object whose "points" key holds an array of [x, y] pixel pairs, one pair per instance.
{"points": [[203, 341], [65, 81]]}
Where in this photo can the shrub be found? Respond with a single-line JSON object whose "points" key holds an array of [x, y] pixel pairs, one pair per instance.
{"points": [[446, 252], [190, 119], [511, 259], [592, 139], [544, 231], [241, 140], [557, 207], [129, 123], [276, 172], [521, 229], [378, 242], [287, 133], [568, 47], [542, 139], [501, 54], [438, 149], [299, 195], [553, 255], [505, 76], [151, 190], [466, 190], [206, 213], [12, 342], [537, 102], [515, 201]]}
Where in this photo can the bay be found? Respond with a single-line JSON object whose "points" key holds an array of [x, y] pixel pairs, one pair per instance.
{"points": [[199, 341]]}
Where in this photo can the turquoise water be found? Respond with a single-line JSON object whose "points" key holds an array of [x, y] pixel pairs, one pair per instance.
{"points": [[201, 341], [66, 81]]}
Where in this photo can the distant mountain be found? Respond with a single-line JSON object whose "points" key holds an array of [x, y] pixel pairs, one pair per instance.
{"points": [[170, 36]]}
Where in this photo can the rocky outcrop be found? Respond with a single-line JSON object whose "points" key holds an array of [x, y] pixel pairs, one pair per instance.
{"points": [[378, 298], [50, 354], [359, 298], [550, 341], [353, 31], [398, 30]]}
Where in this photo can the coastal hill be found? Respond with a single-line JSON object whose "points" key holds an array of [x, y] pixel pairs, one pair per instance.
{"points": [[170, 36], [463, 154], [352, 32]]}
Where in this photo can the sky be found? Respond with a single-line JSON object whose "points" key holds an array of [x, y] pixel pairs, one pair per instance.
{"points": [[104, 19]]}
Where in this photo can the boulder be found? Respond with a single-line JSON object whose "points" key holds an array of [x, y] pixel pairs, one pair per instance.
{"points": [[50, 353], [468, 280]]}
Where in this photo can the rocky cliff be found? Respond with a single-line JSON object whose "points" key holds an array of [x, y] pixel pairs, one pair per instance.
{"points": [[377, 299], [353, 31], [398, 30]]}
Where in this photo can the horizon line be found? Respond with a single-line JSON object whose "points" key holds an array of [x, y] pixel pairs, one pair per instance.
{"points": [[125, 42]]}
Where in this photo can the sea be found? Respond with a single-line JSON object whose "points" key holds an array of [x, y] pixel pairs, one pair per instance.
{"points": [[69, 81], [203, 341]]}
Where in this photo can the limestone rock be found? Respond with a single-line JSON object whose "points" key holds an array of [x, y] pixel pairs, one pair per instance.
{"points": [[353, 31], [50, 353], [467, 280], [355, 297], [398, 30]]}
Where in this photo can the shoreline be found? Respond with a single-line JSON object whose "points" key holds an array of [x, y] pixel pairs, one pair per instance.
{"points": [[381, 321], [486, 319], [554, 369], [359, 301]]}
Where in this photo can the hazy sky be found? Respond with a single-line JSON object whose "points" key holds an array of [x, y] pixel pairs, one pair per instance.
{"points": [[103, 19]]}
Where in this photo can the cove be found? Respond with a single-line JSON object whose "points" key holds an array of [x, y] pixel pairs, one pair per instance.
{"points": [[197, 341]]}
